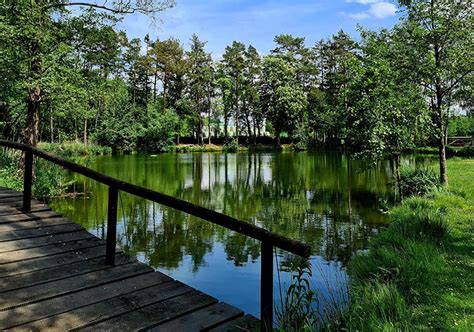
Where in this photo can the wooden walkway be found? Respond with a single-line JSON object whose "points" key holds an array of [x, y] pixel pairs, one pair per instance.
{"points": [[53, 277]]}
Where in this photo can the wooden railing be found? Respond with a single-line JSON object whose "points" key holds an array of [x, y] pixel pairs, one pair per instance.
{"points": [[268, 240]]}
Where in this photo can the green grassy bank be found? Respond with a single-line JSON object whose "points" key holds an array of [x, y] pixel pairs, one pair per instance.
{"points": [[418, 274]]}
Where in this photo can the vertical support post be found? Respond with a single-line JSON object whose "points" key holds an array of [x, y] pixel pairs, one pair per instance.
{"points": [[27, 181], [111, 227], [266, 287]]}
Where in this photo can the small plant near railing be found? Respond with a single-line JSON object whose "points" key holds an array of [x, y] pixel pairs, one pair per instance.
{"points": [[298, 310]]}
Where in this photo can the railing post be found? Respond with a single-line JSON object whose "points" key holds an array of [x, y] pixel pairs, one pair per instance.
{"points": [[27, 181], [266, 287], [111, 226]]}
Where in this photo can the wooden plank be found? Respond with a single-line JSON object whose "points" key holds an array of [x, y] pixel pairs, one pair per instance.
{"points": [[7, 210], [52, 249], [154, 314], [41, 263], [28, 216], [19, 297], [18, 245], [107, 309], [58, 272], [17, 202], [9, 193], [38, 232], [62, 304], [201, 319], [10, 227], [242, 324]]}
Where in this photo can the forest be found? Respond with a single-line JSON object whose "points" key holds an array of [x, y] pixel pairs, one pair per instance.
{"points": [[69, 74]]}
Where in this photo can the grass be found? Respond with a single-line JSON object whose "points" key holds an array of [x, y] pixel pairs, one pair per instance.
{"points": [[73, 149], [419, 273]]}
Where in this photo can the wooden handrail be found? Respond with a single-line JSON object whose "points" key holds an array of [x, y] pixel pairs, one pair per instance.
{"points": [[267, 238]]}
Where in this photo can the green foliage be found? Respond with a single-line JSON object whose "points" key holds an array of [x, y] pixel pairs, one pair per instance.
{"points": [[50, 180], [461, 126], [72, 149], [162, 130], [417, 180], [298, 312], [231, 146]]}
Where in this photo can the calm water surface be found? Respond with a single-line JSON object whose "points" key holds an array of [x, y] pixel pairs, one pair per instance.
{"points": [[322, 199]]}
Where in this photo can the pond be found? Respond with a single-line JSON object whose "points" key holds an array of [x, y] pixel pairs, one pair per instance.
{"points": [[321, 198]]}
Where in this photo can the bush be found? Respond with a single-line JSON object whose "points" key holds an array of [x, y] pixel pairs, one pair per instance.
{"points": [[231, 146], [417, 181], [467, 151], [50, 180], [73, 149], [160, 135]]}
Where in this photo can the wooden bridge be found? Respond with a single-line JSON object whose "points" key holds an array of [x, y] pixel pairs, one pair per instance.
{"points": [[54, 275]]}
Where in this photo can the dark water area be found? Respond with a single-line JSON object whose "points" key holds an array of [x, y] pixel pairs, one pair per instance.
{"points": [[321, 198]]}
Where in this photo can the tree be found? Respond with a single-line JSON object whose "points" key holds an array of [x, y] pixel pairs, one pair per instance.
{"points": [[440, 56], [198, 79], [234, 63], [386, 109], [166, 60], [32, 31], [285, 99]]}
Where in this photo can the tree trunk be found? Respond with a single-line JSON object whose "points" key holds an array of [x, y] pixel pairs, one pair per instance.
{"points": [[51, 126], [398, 177], [278, 139], [32, 122], [85, 131]]}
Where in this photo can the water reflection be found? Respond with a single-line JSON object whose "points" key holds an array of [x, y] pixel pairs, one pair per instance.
{"points": [[323, 199]]}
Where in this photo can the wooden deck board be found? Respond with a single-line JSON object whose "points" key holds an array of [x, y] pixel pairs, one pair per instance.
{"points": [[53, 277]]}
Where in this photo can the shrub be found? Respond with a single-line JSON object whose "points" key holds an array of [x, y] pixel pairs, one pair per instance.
{"points": [[417, 181], [160, 135], [73, 149], [467, 151], [231, 146]]}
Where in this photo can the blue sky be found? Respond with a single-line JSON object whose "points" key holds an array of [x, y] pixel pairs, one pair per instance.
{"points": [[256, 22]]}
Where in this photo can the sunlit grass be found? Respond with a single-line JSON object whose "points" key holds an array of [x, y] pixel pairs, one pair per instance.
{"points": [[419, 273]]}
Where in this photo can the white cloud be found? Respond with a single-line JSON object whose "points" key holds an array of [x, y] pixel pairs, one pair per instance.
{"points": [[382, 9], [377, 9], [363, 2], [358, 16]]}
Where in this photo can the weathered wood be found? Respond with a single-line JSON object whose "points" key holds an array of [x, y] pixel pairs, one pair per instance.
{"points": [[266, 287], [113, 307], [27, 180], [39, 232], [32, 224], [53, 276], [13, 282], [38, 242], [111, 226], [28, 216], [12, 210], [48, 309], [22, 296], [49, 250], [42, 263], [202, 319], [150, 315], [242, 324]]}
